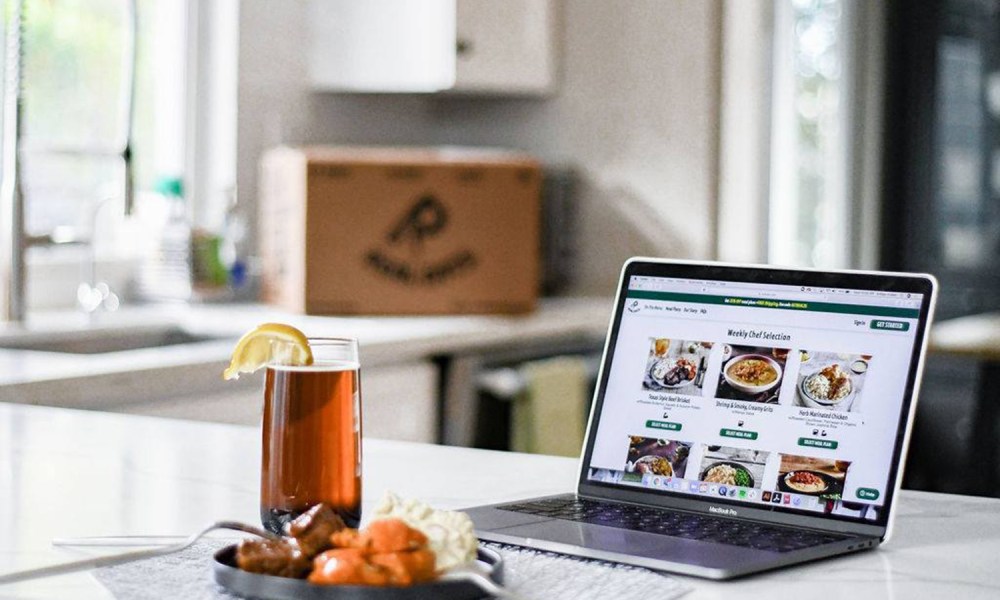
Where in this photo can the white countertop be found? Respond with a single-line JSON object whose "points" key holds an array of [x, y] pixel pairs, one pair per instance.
{"points": [[33, 377], [76, 473]]}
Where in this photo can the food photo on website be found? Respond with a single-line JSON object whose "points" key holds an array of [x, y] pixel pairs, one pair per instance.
{"points": [[831, 380], [752, 373], [677, 366]]}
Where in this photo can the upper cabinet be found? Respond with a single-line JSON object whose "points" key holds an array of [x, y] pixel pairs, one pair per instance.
{"points": [[489, 47]]}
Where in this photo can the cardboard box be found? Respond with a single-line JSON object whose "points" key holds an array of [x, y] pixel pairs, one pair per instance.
{"points": [[399, 231]]}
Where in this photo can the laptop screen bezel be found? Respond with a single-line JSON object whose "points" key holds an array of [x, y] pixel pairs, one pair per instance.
{"points": [[750, 274]]}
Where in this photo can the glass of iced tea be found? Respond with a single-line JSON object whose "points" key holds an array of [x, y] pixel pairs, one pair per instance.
{"points": [[312, 434]]}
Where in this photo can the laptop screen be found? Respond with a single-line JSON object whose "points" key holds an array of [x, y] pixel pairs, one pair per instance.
{"points": [[783, 396]]}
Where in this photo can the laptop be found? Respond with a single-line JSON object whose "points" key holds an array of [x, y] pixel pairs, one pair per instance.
{"points": [[745, 418]]}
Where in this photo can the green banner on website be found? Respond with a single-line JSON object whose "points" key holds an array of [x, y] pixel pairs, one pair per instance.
{"points": [[830, 307]]}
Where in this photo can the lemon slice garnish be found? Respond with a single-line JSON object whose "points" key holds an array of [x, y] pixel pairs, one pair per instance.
{"points": [[257, 347]]}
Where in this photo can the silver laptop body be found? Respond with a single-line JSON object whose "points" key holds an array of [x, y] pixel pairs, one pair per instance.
{"points": [[737, 405]]}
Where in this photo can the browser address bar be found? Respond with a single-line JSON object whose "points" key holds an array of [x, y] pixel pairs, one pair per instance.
{"points": [[765, 294]]}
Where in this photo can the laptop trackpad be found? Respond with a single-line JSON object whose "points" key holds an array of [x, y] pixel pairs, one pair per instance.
{"points": [[633, 543]]}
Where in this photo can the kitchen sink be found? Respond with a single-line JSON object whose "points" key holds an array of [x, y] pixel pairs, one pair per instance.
{"points": [[105, 340]]}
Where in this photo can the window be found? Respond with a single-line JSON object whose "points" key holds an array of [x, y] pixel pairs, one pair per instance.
{"points": [[77, 104], [801, 133], [76, 118], [809, 207]]}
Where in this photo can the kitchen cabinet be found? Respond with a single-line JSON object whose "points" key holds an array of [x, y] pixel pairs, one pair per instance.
{"points": [[459, 46], [399, 402]]}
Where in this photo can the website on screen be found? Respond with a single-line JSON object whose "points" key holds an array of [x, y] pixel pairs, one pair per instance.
{"points": [[758, 393]]}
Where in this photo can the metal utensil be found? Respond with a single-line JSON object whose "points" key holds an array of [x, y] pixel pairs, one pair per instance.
{"points": [[118, 541], [125, 557], [700, 377]]}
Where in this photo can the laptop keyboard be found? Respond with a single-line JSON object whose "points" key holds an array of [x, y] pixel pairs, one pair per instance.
{"points": [[661, 521]]}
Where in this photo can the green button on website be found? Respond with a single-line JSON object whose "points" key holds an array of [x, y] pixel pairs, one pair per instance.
{"points": [[867, 494], [663, 425], [739, 434], [814, 443], [890, 325]]}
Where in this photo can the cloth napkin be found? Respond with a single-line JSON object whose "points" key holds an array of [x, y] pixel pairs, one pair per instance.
{"points": [[532, 574]]}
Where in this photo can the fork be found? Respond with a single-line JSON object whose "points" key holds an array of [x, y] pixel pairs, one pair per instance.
{"points": [[125, 557]]}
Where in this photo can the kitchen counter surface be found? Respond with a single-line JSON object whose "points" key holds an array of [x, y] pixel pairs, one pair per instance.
{"points": [[34, 377], [78, 473]]}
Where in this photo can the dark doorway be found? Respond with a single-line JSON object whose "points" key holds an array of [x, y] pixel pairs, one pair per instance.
{"points": [[942, 203]]}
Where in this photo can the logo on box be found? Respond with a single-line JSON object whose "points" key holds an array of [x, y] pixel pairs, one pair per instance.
{"points": [[427, 218]]}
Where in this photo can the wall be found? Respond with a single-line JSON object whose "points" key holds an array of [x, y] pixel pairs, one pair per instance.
{"points": [[745, 138], [636, 113]]}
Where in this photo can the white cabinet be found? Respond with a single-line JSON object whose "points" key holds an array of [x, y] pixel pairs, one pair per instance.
{"points": [[399, 402], [493, 47]]}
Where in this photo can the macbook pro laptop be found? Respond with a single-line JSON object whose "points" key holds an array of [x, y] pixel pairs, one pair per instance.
{"points": [[745, 418]]}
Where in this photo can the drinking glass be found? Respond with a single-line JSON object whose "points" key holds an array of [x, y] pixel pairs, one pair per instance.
{"points": [[312, 434]]}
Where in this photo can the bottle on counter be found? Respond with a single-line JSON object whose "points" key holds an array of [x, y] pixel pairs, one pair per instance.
{"points": [[167, 269], [219, 255], [210, 276]]}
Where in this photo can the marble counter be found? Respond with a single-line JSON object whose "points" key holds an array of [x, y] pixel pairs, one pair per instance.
{"points": [[33, 377], [75, 473]]}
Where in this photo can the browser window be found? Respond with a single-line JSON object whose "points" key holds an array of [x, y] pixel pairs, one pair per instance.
{"points": [[761, 393]]}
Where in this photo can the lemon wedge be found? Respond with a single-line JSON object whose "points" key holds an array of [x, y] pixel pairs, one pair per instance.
{"points": [[257, 346]]}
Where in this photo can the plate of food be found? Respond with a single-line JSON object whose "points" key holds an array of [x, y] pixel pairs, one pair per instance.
{"points": [[811, 483], [653, 465], [828, 387], [728, 473], [752, 373], [229, 575], [672, 373], [392, 558]]}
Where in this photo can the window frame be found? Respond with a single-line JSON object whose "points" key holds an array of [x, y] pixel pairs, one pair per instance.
{"points": [[753, 139], [210, 47]]}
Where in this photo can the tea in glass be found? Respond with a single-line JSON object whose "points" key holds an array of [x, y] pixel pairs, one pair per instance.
{"points": [[312, 435]]}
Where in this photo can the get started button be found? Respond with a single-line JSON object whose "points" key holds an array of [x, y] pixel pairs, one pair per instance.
{"points": [[867, 494], [890, 325]]}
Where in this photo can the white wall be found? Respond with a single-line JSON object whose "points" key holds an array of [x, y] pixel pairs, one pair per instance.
{"points": [[637, 112]]}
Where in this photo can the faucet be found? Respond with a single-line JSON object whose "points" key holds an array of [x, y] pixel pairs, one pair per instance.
{"points": [[14, 239], [93, 294], [12, 244]]}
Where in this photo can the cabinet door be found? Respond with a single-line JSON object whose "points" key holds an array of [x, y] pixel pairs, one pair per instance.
{"points": [[382, 45], [505, 47], [400, 402]]}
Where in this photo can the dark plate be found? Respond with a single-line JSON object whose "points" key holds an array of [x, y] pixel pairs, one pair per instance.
{"points": [[660, 384], [734, 465], [833, 485], [269, 587]]}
